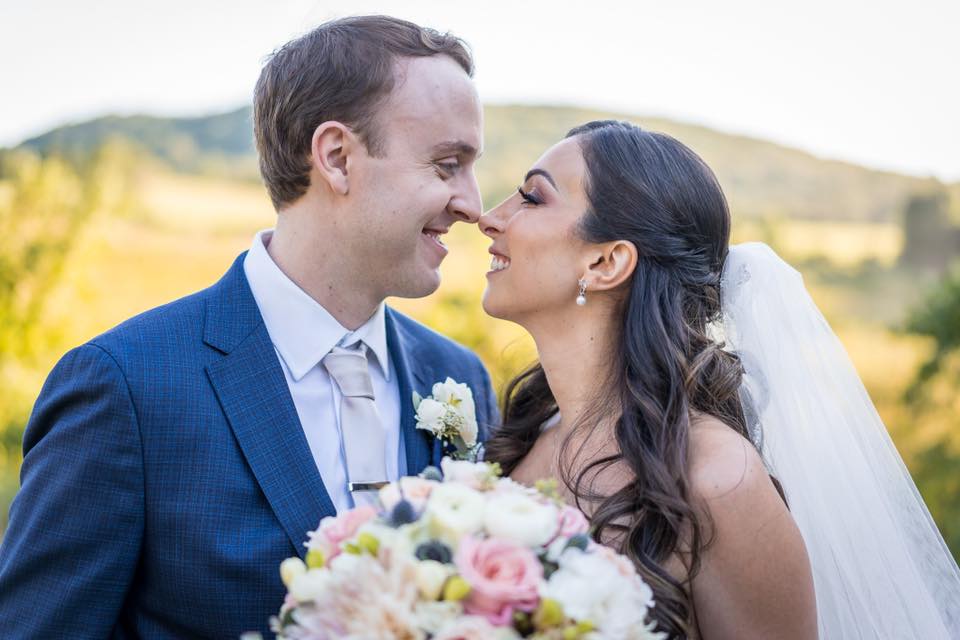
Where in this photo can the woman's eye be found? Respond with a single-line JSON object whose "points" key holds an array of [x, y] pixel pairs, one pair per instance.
{"points": [[529, 198]]}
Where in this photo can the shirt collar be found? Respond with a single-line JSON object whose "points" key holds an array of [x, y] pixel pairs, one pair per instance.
{"points": [[302, 331]]}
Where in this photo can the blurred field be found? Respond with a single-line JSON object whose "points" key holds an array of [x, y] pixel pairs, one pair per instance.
{"points": [[180, 233], [190, 229]]}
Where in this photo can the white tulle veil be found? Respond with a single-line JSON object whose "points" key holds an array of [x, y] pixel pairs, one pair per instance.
{"points": [[881, 568]]}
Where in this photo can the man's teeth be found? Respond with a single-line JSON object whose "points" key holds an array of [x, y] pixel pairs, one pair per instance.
{"points": [[434, 235], [499, 264]]}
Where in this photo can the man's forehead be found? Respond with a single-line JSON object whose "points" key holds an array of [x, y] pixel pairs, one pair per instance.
{"points": [[436, 100]]}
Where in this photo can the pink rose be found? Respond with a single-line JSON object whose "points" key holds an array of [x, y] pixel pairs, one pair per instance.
{"points": [[572, 522], [334, 531], [503, 577], [467, 628]]}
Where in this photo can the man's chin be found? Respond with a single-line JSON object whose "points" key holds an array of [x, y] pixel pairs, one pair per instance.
{"points": [[419, 285]]}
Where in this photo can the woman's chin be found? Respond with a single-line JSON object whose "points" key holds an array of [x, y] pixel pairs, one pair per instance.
{"points": [[492, 307]]}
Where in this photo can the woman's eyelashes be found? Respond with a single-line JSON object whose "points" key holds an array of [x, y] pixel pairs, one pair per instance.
{"points": [[530, 197]]}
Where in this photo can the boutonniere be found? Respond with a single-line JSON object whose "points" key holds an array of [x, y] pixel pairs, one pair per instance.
{"points": [[451, 416]]}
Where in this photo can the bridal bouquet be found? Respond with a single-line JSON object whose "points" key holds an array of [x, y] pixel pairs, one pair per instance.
{"points": [[460, 556]]}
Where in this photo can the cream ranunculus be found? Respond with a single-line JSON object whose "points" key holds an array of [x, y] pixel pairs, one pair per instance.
{"points": [[290, 569], [430, 415], [455, 511], [520, 519], [310, 586], [430, 577]]}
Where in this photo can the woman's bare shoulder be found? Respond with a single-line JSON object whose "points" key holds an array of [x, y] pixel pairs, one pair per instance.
{"points": [[755, 579], [721, 462]]}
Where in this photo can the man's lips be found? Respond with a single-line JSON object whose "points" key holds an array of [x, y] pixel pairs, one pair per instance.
{"points": [[434, 238]]}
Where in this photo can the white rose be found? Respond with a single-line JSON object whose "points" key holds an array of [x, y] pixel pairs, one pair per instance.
{"points": [[310, 586], [509, 485], [431, 575], [430, 415], [475, 475], [415, 490], [520, 519], [469, 429], [590, 587], [454, 511], [451, 392], [460, 397]]}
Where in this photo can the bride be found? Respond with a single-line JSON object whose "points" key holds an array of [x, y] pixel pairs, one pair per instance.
{"points": [[696, 406]]}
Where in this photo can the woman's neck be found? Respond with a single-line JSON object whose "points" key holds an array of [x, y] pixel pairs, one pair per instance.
{"points": [[577, 355]]}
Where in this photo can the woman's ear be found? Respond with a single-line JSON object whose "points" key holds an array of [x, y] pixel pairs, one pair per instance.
{"points": [[613, 264], [330, 149]]}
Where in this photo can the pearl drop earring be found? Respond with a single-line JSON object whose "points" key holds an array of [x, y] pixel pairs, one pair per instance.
{"points": [[581, 298]]}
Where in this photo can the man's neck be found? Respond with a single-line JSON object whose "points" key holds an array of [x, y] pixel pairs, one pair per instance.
{"points": [[313, 261]]}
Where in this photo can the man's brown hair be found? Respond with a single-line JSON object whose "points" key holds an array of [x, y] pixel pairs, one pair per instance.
{"points": [[343, 70]]}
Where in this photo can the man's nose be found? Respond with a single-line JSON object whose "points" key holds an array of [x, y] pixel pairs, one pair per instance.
{"points": [[467, 204]]}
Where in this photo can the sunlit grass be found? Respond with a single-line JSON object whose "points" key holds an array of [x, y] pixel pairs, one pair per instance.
{"points": [[187, 204], [842, 243]]}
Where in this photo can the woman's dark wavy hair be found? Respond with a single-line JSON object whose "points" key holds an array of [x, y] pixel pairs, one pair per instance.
{"points": [[653, 191]]}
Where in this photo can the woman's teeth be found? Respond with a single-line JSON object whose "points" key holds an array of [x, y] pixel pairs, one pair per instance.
{"points": [[499, 264]]}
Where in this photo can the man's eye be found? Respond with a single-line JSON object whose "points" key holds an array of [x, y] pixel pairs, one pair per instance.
{"points": [[448, 167]]}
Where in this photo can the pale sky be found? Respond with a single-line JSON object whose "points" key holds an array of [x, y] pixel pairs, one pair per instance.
{"points": [[873, 82]]}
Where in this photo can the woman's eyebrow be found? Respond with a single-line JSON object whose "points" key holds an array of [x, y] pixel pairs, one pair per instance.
{"points": [[541, 172]]}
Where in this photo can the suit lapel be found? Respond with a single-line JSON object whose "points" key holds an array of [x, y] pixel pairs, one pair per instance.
{"points": [[253, 393], [413, 374]]}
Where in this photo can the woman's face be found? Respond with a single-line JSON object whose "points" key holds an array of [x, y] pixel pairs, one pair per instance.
{"points": [[538, 257]]}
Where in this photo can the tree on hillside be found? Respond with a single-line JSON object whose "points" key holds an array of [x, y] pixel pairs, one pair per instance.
{"points": [[930, 238], [45, 203], [933, 402], [939, 318]]}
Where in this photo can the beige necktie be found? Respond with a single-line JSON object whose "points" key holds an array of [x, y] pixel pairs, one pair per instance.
{"points": [[363, 433]]}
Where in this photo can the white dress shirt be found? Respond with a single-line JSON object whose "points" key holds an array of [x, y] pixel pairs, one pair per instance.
{"points": [[303, 332]]}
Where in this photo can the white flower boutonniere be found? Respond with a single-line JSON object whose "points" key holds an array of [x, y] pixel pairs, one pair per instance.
{"points": [[450, 415]]}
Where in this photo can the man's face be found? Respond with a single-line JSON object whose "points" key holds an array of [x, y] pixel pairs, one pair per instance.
{"points": [[431, 132]]}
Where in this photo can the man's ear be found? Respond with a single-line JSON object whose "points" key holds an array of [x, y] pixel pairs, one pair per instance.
{"points": [[330, 150], [612, 264]]}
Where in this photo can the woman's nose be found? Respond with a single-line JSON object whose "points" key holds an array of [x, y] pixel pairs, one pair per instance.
{"points": [[492, 222]]}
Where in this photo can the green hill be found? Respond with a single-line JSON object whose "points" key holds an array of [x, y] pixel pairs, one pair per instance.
{"points": [[219, 144], [762, 179]]}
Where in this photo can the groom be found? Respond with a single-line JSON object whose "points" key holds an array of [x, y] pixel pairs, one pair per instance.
{"points": [[172, 463]]}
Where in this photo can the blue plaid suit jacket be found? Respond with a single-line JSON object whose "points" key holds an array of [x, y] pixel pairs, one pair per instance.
{"points": [[166, 475]]}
